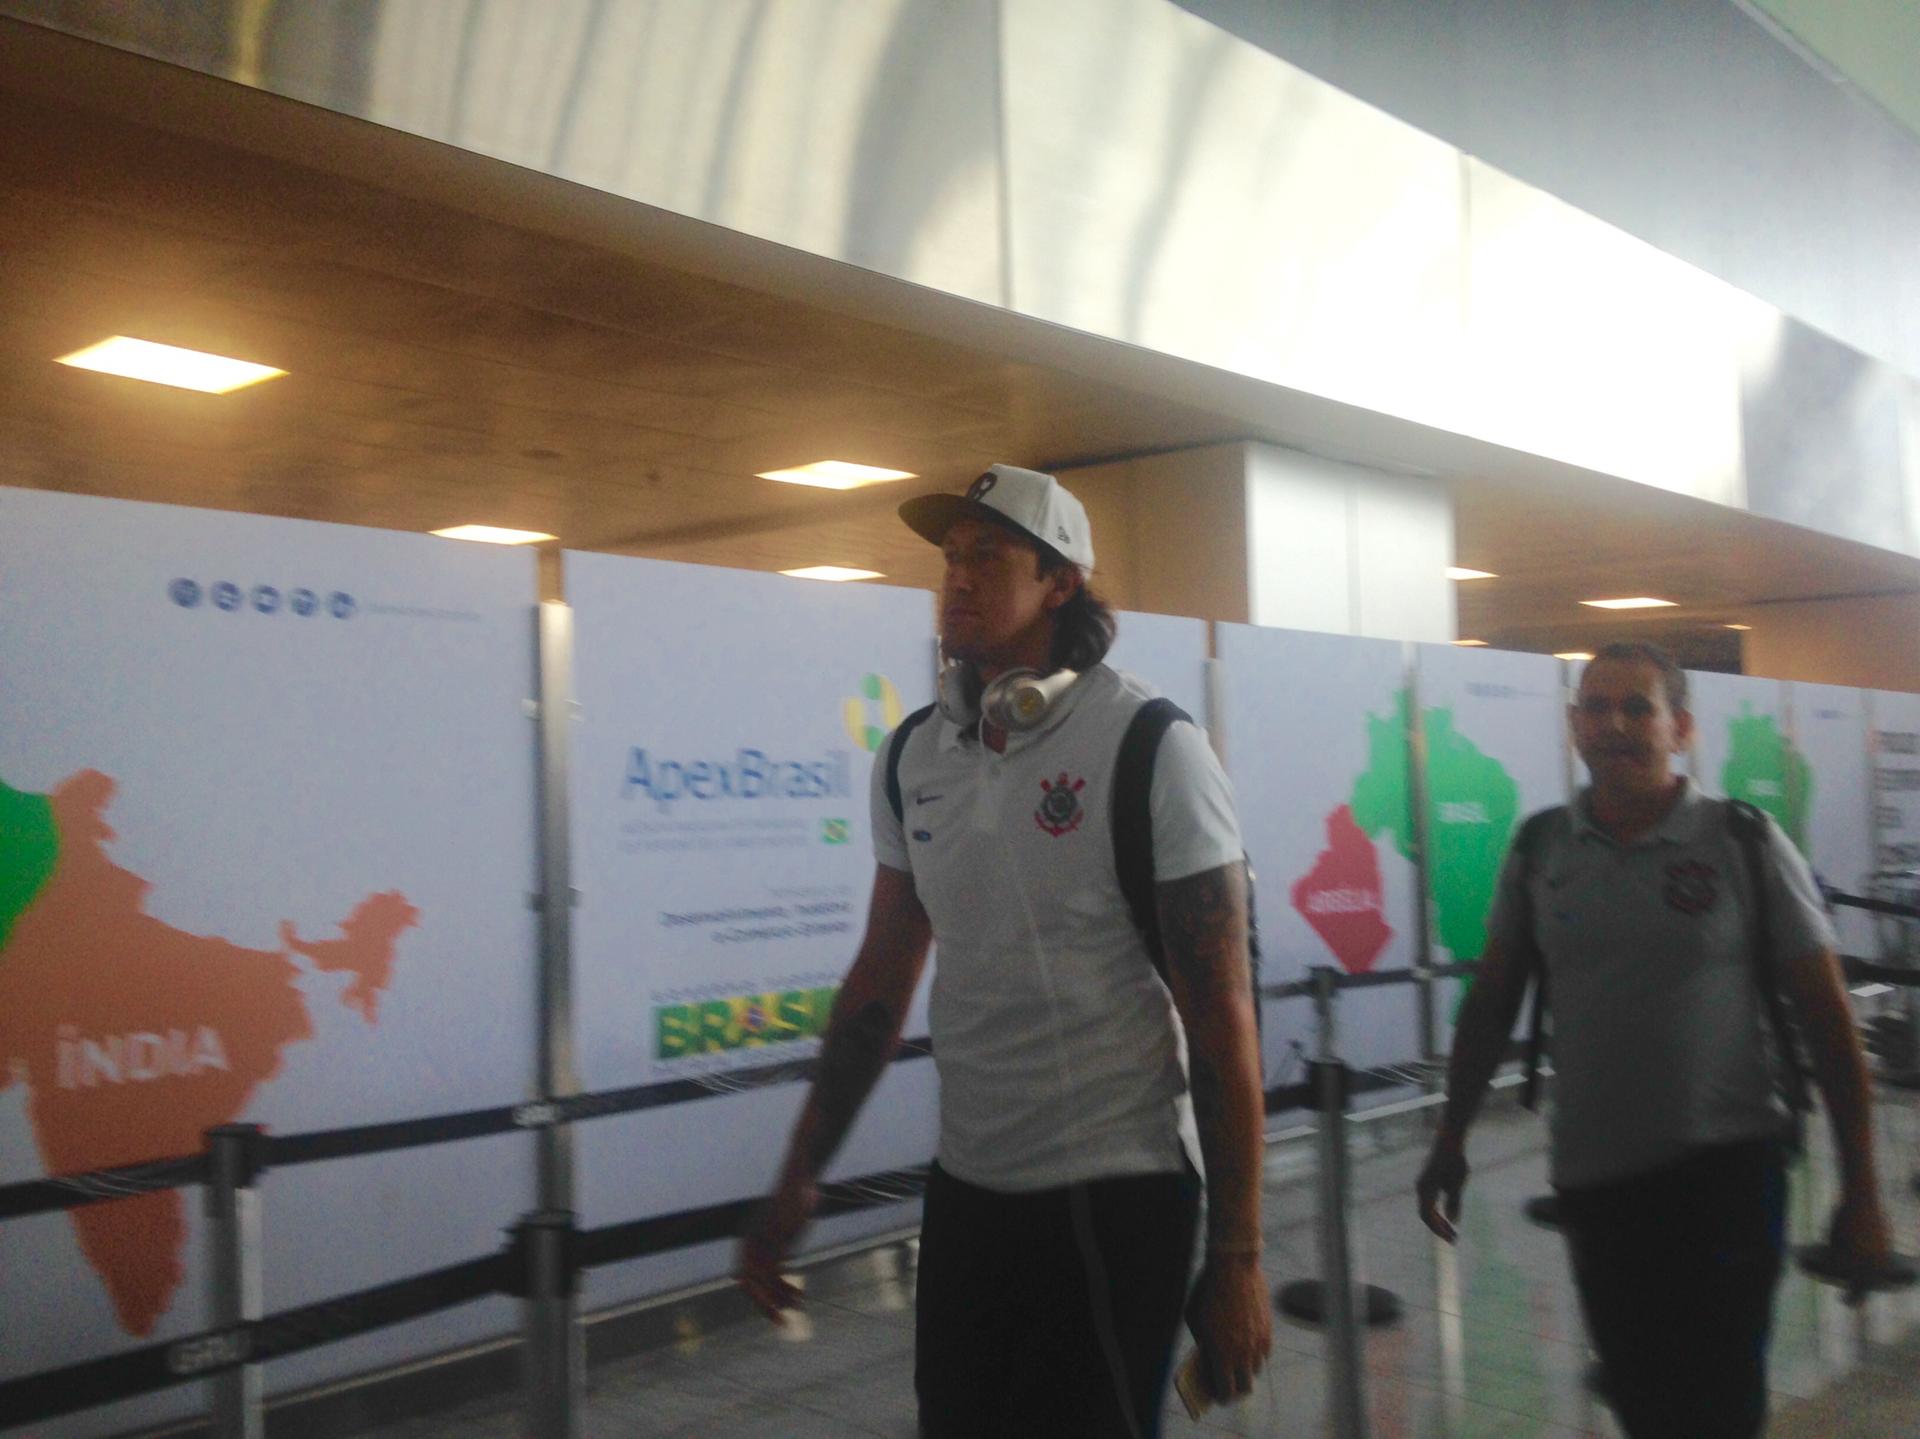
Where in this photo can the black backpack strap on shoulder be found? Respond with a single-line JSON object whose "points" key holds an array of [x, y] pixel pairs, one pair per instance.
{"points": [[895, 747], [1132, 816], [1749, 828], [1526, 847]]}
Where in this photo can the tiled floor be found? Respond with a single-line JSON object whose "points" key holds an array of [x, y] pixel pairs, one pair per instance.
{"points": [[1490, 1346]]}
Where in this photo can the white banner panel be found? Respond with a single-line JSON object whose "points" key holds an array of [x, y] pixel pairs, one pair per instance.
{"points": [[1169, 652], [1896, 779], [1741, 748], [1829, 729], [1495, 725], [266, 842], [1316, 742], [728, 723]]}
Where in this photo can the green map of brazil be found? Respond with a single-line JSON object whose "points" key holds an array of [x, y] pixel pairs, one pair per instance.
{"points": [[1474, 804], [1764, 768]]}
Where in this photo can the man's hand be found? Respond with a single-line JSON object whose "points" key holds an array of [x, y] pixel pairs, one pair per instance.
{"points": [[767, 1241], [1230, 1316], [1444, 1177], [1861, 1240]]}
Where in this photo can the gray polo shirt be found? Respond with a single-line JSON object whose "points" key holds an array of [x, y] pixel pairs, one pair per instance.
{"points": [[1660, 1034], [1059, 1049]]}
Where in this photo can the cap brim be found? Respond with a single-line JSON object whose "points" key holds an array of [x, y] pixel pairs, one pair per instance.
{"points": [[931, 516]]}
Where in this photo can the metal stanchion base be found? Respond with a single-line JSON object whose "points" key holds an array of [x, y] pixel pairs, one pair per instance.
{"points": [[1306, 1301], [1544, 1210]]}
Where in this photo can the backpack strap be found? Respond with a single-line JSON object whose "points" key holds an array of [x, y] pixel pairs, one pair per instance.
{"points": [[1749, 828], [1132, 817], [894, 748], [1132, 825], [1526, 846]]}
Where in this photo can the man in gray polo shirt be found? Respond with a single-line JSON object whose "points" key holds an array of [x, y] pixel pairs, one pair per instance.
{"points": [[1060, 1216], [1667, 1139]]}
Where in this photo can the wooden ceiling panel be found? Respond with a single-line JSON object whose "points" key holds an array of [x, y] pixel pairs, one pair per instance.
{"points": [[472, 358], [622, 293]]}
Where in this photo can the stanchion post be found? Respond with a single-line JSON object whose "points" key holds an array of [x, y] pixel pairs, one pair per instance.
{"points": [[555, 1360], [1426, 992], [555, 899], [233, 1273], [1336, 1261]]}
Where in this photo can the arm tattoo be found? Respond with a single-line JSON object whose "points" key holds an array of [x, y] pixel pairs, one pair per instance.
{"points": [[1202, 928], [850, 1061]]}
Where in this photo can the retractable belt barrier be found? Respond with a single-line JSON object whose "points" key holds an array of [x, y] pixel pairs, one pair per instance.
{"points": [[517, 1270], [1873, 906], [41, 1196], [70, 1191], [1866, 970], [55, 1392]]}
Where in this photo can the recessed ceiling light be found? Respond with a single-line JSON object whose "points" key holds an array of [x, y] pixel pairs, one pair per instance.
{"points": [[1471, 644], [492, 535], [169, 365], [1461, 572], [1736, 627], [835, 475], [1573, 655], [1638, 602], [833, 572]]}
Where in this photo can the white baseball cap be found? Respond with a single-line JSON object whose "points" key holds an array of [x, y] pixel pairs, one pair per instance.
{"points": [[1035, 504]]}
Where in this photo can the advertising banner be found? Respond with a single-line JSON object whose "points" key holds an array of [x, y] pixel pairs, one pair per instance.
{"points": [[1169, 652], [1829, 730], [1742, 749], [1316, 741], [266, 846], [728, 725], [1896, 779], [1496, 747]]}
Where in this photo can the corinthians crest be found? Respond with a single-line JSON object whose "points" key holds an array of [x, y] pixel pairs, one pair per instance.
{"points": [[1060, 812], [1692, 887]]}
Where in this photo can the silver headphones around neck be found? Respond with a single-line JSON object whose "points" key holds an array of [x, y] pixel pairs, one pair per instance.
{"points": [[1017, 701]]}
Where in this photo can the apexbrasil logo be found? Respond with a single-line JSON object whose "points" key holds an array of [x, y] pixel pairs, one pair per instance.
{"points": [[741, 1021], [750, 774], [876, 691]]}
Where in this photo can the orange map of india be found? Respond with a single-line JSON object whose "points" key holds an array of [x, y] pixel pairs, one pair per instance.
{"points": [[132, 1037]]}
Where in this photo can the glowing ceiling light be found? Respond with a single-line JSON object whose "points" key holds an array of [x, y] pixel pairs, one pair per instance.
{"points": [[835, 475], [1638, 602], [1461, 572], [1471, 644], [169, 365], [492, 535], [838, 573], [1574, 655], [1736, 627]]}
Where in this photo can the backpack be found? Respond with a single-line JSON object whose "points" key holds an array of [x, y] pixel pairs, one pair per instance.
{"points": [[1131, 823], [1749, 827]]}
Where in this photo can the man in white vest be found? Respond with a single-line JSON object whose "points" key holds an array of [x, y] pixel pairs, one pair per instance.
{"points": [[1057, 1243]]}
